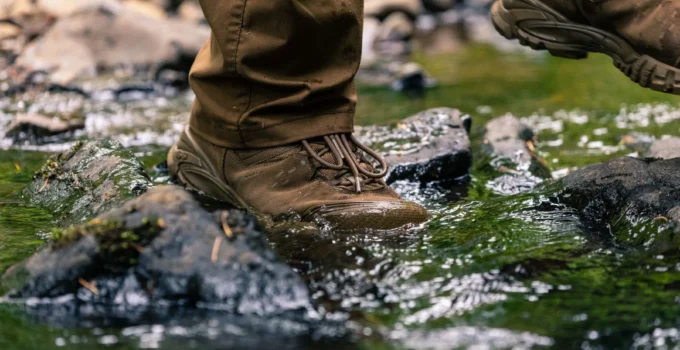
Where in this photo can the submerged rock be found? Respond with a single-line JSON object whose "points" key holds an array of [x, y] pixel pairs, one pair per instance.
{"points": [[430, 146], [88, 180], [157, 251]]}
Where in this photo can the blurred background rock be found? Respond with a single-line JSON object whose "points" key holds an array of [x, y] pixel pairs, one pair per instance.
{"points": [[63, 42], [85, 43]]}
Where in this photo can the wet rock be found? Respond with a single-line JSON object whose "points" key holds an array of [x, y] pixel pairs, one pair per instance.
{"points": [[12, 41], [61, 8], [665, 148], [158, 251], [146, 8], [383, 8], [191, 11], [9, 30], [107, 37], [635, 201], [430, 146], [507, 137], [88, 180], [439, 5], [396, 26], [510, 146], [638, 142], [36, 128]]}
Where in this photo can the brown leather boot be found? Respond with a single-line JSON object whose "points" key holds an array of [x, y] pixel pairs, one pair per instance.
{"points": [[330, 177], [641, 36]]}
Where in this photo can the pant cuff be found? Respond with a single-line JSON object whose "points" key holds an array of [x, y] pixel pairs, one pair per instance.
{"points": [[291, 131]]}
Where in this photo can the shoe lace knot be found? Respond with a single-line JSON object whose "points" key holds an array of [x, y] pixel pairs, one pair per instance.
{"points": [[349, 163]]}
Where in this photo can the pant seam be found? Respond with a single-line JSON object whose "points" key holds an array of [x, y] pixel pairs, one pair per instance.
{"points": [[236, 69]]}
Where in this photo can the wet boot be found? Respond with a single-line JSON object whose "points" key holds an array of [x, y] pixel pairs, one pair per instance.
{"points": [[641, 36], [333, 178]]}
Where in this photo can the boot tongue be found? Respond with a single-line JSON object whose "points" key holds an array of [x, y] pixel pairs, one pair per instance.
{"points": [[320, 147]]}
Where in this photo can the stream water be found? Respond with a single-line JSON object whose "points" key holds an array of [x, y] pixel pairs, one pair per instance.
{"points": [[483, 273]]}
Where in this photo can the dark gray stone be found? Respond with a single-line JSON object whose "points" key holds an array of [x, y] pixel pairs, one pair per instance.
{"points": [[430, 146], [88, 180], [161, 249], [634, 201]]}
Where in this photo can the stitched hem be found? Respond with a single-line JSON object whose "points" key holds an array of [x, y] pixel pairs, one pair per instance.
{"points": [[283, 133]]}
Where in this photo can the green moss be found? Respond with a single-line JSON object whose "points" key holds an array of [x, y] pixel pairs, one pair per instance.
{"points": [[53, 169], [118, 242]]}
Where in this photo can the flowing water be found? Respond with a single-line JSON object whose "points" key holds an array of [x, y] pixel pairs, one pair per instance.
{"points": [[484, 272]]}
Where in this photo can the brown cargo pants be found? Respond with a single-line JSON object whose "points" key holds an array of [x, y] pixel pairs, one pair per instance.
{"points": [[276, 71]]}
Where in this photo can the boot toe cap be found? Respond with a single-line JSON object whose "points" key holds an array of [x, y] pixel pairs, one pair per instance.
{"points": [[377, 215]]}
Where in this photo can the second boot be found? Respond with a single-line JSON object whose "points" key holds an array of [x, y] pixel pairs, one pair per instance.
{"points": [[642, 36]]}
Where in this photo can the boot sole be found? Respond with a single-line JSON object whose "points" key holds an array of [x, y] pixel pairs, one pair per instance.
{"points": [[192, 170], [540, 27]]}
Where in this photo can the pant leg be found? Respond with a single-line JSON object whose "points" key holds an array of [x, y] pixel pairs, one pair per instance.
{"points": [[276, 71]]}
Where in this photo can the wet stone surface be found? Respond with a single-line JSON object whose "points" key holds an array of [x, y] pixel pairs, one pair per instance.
{"points": [[159, 251], [87, 180], [430, 146], [510, 146]]}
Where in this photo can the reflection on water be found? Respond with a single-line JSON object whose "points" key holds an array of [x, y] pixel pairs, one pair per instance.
{"points": [[488, 270]]}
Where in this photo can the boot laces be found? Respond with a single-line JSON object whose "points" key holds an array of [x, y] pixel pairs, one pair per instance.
{"points": [[348, 161]]}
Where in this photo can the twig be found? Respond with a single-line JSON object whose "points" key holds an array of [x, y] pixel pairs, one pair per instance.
{"points": [[89, 286], [225, 225], [47, 180], [216, 249], [530, 146]]}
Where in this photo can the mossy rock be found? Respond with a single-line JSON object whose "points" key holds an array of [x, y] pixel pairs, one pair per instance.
{"points": [[87, 180], [159, 249]]}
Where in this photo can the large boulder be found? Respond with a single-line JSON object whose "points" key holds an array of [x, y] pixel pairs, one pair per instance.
{"points": [[88, 180], [430, 146], [160, 249], [110, 36]]}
